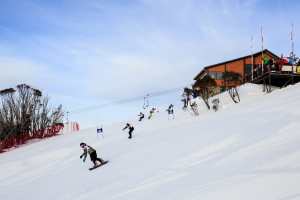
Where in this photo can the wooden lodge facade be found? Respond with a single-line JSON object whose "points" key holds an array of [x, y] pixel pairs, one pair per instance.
{"points": [[232, 73]]}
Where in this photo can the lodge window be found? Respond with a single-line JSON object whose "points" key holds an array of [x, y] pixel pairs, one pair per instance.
{"points": [[259, 69], [248, 68], [216, 75]]}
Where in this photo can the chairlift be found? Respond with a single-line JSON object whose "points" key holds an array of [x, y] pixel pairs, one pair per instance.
{"points": [[146, 101]]}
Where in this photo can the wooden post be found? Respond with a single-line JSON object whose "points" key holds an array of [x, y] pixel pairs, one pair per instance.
{"points": [[225, 81], [244, 74], [270, 79], [252, 59]]}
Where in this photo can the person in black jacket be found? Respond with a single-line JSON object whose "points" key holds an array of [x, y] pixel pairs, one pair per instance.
{"points": [[130, 128], [92, 152], [170, 111], [141, 115]]}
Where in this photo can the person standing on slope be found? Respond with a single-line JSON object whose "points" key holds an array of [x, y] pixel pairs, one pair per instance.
{"points": [[184, 104], [170, 111], [194, 108], [130, 128], [92, 152]]}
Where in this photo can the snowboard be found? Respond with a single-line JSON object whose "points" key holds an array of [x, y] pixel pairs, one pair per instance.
{"points": [[92, 168]]}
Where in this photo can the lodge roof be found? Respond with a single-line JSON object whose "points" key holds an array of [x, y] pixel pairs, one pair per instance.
{"points": [[225, 62]]}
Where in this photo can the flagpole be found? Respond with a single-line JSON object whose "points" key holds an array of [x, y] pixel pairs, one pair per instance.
{"points": [[252, 69], [292, 40], [262, 49], [292, 47]]}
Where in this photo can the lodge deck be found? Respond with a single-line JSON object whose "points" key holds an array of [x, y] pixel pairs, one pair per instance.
{"points": [[277, 78]]}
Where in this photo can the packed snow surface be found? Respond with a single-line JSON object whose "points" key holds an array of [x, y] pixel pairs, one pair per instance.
{"points": [[247, 151]]}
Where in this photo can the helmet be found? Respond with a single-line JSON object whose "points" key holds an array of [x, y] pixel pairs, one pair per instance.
{"points": [[82, 144]]}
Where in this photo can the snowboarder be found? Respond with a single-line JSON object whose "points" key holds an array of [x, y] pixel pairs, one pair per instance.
{"points": [[170, 111], [130, 128], [92, 152], [151, 112], [141, 115]]}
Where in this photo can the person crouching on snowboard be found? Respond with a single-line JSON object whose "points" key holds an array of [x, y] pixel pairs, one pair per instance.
{"points": [[131, 128], [141, 115], [92, 152]]}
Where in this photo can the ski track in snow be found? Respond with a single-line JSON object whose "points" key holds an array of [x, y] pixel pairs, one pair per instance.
{"points": [[244, 151]]}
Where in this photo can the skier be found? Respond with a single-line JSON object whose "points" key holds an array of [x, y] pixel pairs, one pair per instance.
{"points": [[194, 108], [131, 128], [170, 111], [184, 103], [141, 115], [92, 152], [184, 100], [216, 103], [189, 98]]}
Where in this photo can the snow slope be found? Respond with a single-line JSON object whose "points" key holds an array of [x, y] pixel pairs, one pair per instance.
{"points": [[245, 151]]}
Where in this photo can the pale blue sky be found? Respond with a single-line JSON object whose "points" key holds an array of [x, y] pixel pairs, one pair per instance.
{"points": [[85, 53]]}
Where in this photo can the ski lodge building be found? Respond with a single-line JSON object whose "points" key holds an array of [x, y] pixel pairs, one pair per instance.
{"points": [[263, 67]]}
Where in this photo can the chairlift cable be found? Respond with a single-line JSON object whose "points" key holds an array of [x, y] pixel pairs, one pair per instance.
{"points": [[124, 101]]}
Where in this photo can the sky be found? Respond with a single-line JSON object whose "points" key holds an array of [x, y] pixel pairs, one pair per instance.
{"points": [[88, 53]]}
